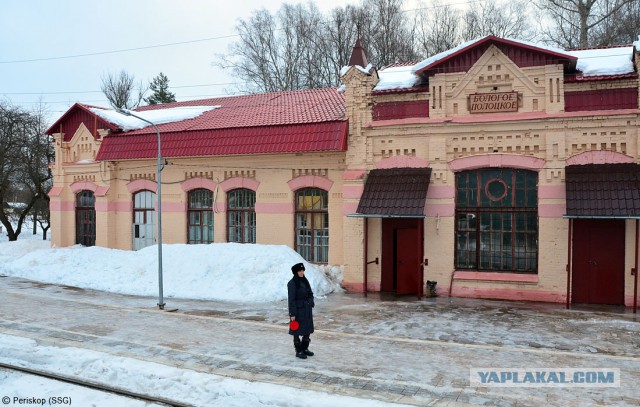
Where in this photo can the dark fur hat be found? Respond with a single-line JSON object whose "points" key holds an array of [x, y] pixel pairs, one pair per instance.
{"points": [[297, 267]]}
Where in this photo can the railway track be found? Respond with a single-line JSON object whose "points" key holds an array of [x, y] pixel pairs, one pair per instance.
{"points": [[93, 385]]}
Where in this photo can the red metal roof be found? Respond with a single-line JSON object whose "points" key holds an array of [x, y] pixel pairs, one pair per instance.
{"points": [[308, 137], [281, 122], [603, 190], [262, 109], [395, 192]]}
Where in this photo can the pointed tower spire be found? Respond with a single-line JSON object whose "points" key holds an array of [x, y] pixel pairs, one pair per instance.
{"points": [[358, 57]]}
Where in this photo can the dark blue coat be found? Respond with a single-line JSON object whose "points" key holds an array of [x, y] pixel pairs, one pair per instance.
{"points": [[300, 305]]}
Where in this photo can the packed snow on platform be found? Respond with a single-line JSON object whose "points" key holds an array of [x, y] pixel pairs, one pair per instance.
{"points": [[187, 386], [217, 271]]}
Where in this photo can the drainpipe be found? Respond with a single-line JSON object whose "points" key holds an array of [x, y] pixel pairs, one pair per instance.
{"points": [[635, 274], [366, 253], [569, 265]]}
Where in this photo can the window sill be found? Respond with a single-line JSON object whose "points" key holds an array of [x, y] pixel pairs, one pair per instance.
{"points": [[488, 276]]}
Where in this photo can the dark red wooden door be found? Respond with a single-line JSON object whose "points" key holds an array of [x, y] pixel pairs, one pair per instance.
{"points": [[408, 266], [598, 261]]}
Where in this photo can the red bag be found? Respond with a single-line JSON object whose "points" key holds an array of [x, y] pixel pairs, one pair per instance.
{"points": [[294, 325]]}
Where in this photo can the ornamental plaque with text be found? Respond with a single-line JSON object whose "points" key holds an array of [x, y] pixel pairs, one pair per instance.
{"points": [[493, 102]]}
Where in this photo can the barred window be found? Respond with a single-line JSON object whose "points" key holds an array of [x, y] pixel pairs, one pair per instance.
{"points": [[312, 225], [86, 218], [497, 220], [200, 216], [241, 216], [144, 219]]}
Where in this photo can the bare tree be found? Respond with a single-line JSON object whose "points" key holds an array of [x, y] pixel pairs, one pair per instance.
{"points": [[25, 155], [387, 31], [299, 48], [438, 28], [622, 27], [506, 19], [121, 91], [580, 19]]}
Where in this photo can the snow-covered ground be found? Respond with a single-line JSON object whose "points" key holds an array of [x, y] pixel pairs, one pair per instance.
{"points": [[228, 271], [377, 341]]}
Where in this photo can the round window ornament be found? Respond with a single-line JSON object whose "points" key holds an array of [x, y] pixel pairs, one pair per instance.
{"points": [[496, 189]]}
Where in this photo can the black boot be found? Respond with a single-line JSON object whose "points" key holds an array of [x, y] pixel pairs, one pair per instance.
{"points": [[305, 347], [299, 351]]}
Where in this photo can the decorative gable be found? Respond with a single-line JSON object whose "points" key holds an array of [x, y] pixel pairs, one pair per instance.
{"points": [[521, 53], [83, 146], [78, 115], [495, 84]]}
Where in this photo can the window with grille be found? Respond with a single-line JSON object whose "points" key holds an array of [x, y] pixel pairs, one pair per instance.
{"points": [[200, 216], [86, 218], [312, 225], [241, 216], [144, 219], [497, 220]]}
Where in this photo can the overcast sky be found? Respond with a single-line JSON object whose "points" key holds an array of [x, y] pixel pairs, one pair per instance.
{"points": [[38, 39]]}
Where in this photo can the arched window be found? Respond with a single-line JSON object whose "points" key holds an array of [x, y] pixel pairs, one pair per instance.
{"points": [[144, 219], [241, 216], [85, 218], [200, 216], [312, 224], [497, 220]]}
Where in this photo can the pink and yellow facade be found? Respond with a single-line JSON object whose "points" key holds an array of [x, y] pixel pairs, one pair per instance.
{"points": [[475, 175]]}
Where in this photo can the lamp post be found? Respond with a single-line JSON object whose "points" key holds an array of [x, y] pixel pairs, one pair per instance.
{"points": [[159, 176]]}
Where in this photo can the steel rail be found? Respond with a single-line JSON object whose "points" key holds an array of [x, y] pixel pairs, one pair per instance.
{"points": [[95, 385]]}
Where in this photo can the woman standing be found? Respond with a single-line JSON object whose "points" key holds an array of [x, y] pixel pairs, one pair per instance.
{"points": [[300, 310]]}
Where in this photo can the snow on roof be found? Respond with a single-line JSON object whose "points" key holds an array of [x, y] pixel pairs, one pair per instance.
{"points": [[366, 69], [157, 116], [398, 77], [604, 61]]}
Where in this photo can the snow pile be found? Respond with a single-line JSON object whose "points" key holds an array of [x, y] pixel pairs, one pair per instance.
{"points": [[397, 77], [157, 116], [218, 271], [605, 61]]}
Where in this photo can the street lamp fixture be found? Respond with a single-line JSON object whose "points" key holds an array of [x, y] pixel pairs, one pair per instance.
{"points": [[159, 177]]}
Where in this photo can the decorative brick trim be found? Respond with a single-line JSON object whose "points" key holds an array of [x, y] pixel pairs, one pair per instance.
{"points": [[434, 210], [239, 182], [353, 174], [552, 210], [402, 161], [142, 184], [599, 157], [197, 183], [496, 161], [55, 191], [62, 206], [349, 208], [310, 181]]}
